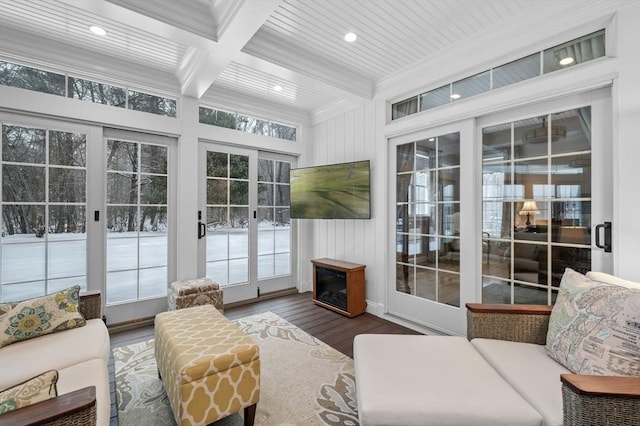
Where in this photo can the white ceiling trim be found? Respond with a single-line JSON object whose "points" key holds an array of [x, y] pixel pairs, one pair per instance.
{"points": [[202, 67], [193, 17]]}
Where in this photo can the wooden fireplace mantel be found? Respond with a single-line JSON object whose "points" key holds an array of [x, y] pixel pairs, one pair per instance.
{"points": [[354, 286]]}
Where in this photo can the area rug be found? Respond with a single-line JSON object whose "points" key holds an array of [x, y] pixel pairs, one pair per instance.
{"points": [[303, 380]]}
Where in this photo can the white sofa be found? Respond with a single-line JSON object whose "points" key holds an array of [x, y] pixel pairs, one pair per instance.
{"points": [[501, 374], [81, 357]]}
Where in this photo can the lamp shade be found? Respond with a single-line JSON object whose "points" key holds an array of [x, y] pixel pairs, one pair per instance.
{"points": [[529, 207]]}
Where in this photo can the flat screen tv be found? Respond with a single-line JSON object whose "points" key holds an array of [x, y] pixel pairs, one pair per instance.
{"points": [[334, 191]]}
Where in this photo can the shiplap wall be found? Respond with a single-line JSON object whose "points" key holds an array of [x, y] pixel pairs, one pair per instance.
{"points": [[349, 136]]}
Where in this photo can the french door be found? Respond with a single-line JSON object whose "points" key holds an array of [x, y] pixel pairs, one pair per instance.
{"points": [[493, 209], [87, 206], [546, 185], [44, 203], [244, 231], [138, 222], [431, 220]]}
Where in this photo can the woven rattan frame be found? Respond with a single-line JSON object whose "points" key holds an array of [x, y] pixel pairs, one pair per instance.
{"points": [[580, 410], [91, 305], [525, 327], [529, 324]]}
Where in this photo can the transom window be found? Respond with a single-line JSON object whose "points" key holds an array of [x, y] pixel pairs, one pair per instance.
{"points": [[573, 52]]}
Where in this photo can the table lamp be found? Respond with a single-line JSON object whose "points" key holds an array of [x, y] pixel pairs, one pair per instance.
{"points": [[529, 209]]}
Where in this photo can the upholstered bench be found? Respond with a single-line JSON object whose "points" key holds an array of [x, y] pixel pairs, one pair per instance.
{"points": [[210, 368], [195, 292], [432, 380]]}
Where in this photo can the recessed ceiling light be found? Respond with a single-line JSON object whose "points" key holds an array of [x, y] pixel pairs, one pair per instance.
{"points": [[566, 61], [98, 30], [350, 37], [455, 96], [432, 139], [277, 88]]}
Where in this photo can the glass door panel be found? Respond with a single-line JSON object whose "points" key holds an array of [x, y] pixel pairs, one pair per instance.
{"points": [[137, 221], [247, 247], [427, 218], [432, 256], [274, 219], [227, 218], [44, 240], [537, 198]]}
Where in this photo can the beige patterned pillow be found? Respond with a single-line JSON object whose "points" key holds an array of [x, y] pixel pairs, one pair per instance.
{"points": [[38, 389], [42, 315], [595, 327]]}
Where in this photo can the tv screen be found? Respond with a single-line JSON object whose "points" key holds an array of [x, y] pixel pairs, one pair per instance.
{"points": [[334, 191]]}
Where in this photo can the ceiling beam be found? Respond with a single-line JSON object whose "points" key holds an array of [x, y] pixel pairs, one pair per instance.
{"points": [[201, 67]]}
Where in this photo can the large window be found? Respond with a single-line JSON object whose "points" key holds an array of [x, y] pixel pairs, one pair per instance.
{"points": [[137, 220], [536, 205], [43, 206]]}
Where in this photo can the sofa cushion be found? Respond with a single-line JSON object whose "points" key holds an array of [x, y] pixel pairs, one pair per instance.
{"points": [[41, 315], [611, 279], [94, 372], [37, 389], [432, 380], [22, 360], [528, 369], [593, 328]]}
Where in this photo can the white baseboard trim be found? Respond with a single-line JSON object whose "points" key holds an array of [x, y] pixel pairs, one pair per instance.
{"points": [[378, 310], [375, 308]]}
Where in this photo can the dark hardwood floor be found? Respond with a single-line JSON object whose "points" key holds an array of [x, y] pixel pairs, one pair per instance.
{"points": [[332, 328]]}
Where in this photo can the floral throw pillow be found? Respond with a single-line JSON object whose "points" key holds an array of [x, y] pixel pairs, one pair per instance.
{"points": [[37, 389], [41, 315], [594, 327]]}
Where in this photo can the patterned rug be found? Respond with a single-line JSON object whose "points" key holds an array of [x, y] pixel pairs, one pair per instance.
{"points": [[303, 380]]}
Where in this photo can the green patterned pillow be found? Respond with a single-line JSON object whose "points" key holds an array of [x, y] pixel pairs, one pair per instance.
{"points": [[594, 327], [38, 389], [42, 315]]}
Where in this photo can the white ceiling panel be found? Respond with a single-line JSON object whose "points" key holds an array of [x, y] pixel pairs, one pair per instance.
{"points": [[54, 20], [391, 34], [206, 47], [261, 85]]}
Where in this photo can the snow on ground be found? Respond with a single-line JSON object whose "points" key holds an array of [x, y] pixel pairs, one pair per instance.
{"points": [[25, 259]]}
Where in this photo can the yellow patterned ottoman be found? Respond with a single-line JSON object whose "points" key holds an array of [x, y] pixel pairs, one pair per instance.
{"points": [[210, 368], [195, 292]]}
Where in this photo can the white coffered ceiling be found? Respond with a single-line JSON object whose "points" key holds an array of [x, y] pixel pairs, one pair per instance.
{"points": [[241, 49]]}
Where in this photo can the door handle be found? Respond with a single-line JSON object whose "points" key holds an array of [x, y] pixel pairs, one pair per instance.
{"points": [[607, 236], [202, 230]]}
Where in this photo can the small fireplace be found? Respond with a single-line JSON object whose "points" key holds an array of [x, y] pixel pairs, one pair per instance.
{"points": [[331, 287]]}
